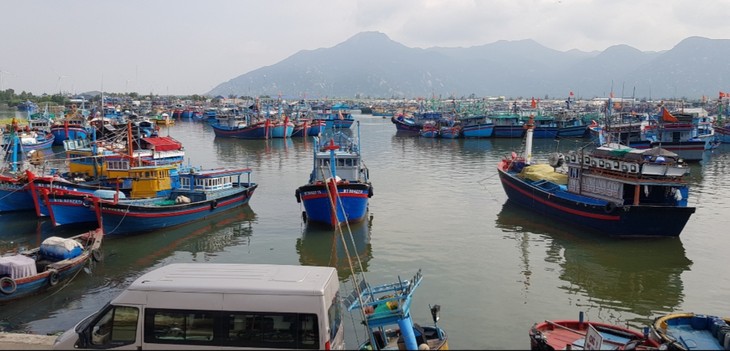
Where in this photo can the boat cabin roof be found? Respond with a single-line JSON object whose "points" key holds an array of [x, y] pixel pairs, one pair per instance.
{"points": [[629, 153]]}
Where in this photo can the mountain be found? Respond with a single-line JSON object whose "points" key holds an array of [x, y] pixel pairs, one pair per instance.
{"points": [[370, 64]]}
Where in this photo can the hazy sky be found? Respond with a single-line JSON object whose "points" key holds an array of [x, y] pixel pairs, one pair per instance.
{"points": [[188, 47]]}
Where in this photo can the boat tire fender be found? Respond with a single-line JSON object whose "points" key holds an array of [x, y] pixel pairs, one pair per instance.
{"points": [[298, 196], [304, 216], [610, 207], [213, 204], [370, 191], [86, 202], [8, 285], [52, 277], [96, 255]]}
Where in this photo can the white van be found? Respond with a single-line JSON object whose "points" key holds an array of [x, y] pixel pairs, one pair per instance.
{"points": [[218, 306]]}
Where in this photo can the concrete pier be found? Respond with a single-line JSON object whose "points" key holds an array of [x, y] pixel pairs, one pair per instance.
{"points": [[18, 341]]}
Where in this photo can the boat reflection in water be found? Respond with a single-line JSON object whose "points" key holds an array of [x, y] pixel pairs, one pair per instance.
{"points": [[639, 276], [323, 246]]}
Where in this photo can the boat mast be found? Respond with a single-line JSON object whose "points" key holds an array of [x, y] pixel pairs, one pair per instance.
{"points": [[530, 126]]}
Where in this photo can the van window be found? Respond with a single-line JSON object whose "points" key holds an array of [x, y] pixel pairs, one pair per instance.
{"points": [[334, 314], [235, 329], [118, 326]]}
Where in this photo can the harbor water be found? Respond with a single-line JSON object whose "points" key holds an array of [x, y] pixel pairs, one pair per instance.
{"points": [[438, 206]]}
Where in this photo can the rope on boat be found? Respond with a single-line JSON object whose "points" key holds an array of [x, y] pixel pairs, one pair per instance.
{"points": [[356, 286]]}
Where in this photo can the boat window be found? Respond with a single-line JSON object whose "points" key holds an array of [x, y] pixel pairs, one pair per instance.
{"points": [[118, 326]]}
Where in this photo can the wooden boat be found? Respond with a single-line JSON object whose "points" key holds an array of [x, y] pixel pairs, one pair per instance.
{"points": [[335, 116], [57, 260], [201, 194], [338, 175], [282, 128], [243, 128], [74, 125], [387, 318], [586, 335], [405, 124], [66, 204], [614, 190], [476, 126], [690, 331], [430, 130], [22, 140]]}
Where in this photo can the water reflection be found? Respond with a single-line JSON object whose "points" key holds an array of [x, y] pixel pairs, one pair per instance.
{"points": [[321, 246], [23, 230], [638, 276]]}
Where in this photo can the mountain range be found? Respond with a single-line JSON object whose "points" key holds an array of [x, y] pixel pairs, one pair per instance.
{"points": [[371, 65]]}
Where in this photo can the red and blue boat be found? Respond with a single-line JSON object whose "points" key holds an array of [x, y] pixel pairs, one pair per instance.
{"points": [[56, 261], [243, 128], [339, 187], [614, 190], [201, 194]]}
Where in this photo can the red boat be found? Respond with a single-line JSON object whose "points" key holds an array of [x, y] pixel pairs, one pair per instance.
{"points": [[586, 335]]}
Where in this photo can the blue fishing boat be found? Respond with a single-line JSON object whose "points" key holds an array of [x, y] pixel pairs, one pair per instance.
{"points": [[73, 125], [56, 261], [387, 317], [68, 203], [614, 190], [507, 125], [405, 124], [201, 194], [336, 116], [282, 128], [340, 177], [690, 331], [476, 126], [242, 128]]}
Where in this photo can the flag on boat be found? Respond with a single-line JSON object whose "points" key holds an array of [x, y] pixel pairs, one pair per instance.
{"points": [[571, 93], [533, 103], [667, 117]]}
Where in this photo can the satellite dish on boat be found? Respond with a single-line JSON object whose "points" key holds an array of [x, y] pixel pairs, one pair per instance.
{"points": [[556, 159]]}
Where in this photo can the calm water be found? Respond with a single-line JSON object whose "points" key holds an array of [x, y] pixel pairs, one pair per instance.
{"points": [[437, 205]]}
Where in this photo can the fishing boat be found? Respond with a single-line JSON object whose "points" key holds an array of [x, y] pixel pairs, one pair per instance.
{"points": [[55, 261], [430, 130], [690, 331], [339, 176], [282, 127], [404, 123], [479, 126], [243, 128], [73, 125], [335, 116], [68, 203], [21, 140], [614, 190], [387, 318], [201, 194], [586, 335]]}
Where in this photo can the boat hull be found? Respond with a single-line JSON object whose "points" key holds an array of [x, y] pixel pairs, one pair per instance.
{"points": [[627, 221], [478, 131], [61, 133], [15, 197], [403, 124], [125, 218], [702, 332], [558, 335], [251, 132], [46, 279], [352, 203], [508, 131]]}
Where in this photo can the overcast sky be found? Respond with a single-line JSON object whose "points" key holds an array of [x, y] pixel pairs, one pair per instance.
{"points": [[187, 47]]}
